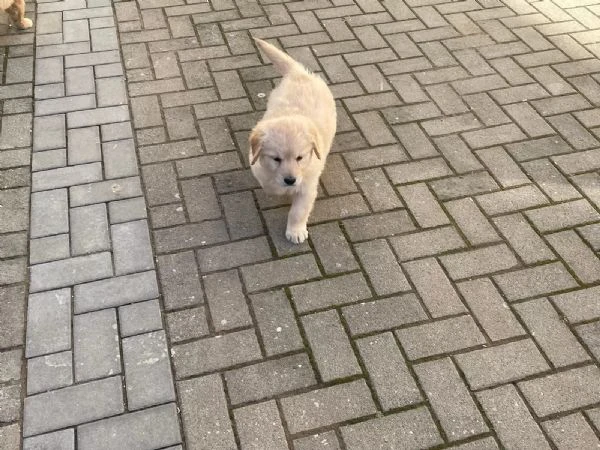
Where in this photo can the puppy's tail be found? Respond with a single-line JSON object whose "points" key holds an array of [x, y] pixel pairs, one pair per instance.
{"points": [[283, 63]]}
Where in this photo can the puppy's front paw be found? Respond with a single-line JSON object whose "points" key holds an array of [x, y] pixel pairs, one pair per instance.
{"points": [[296, 235], [25, 24]]}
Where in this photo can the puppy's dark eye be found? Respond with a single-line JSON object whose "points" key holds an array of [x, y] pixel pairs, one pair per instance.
{"points": [[299, 158], [277, 159]]}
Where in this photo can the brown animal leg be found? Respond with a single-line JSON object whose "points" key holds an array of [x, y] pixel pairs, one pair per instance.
{"points": [[17, 13]]}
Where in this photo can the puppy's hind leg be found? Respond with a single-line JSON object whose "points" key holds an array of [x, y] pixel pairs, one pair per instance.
{"points": [[302, 205], [16, 11]]}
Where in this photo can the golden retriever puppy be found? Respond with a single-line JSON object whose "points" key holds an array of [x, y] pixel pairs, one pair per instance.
{"points": [[16, 11], [288, 146]]}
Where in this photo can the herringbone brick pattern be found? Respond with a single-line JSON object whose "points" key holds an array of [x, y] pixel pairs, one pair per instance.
{"points": [[449, 290]]}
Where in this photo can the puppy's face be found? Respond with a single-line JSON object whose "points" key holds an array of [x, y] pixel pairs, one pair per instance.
{"points": [[286, 150]]}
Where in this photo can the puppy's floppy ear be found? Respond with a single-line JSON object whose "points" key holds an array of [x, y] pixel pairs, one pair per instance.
{"points": [[316, 150], [255, 140], [314, 137]]}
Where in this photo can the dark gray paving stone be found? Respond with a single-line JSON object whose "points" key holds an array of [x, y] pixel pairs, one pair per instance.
{"points": [[281, 272], [13, 244], [226, 300], [48, 322], [10, 365], [235, 254], [10, 435], [259, 426], [72, 405], [139, 318], [381, 266], [147, 370], [571, 431], [49, 372], [59, 440], [10, 406], [187, 324], [12, 314], [322, 441], [151, 428], [15, 131], [180, 281]]}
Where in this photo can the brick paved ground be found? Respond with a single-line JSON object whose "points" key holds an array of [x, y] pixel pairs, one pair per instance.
{"points": [[449, 295]]}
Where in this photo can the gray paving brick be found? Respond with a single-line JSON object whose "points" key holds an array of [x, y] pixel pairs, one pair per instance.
{"points": [[464, 185], [116, 131], [330, 291], [84, 145], [410, 429], [270, 274], [331, 247], [511, 200], [180, 280], [187, 324], [440, 337], [111, 91], [12, 311], [523, 239], [501, 364], [64, 104], [147, 370], [72, 405], [10, 365], [204, 414], [66, 176], [48, 322], [576, 254], [48, 70], [423, 206], [433, 286], [191, 236], [269, 378], [511, 419], [153, 427], [127, 210], [49, 372], [64, 439], [201, 200], [104, 191], [10, 411], [14, 214], [161, 184], [572, 430], [259, 426], [49, 248], [96, 345], [68, 272], [388, 372], [89, 229], [327, 406], [562, 391], [241, 215], [490, 309], [450, 399], [139, 318], [326, 440], [79, 80], [215, 353], [13, 271], [115, 291], [535, 281], [227, 302], [479, 262], [132, 250], [381, 266], [50, 159], [119, 159], [49, 213], [98, 116], [13, 244]]}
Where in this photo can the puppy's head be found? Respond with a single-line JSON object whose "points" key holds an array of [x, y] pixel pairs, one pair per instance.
{"points": [[286, 148]]}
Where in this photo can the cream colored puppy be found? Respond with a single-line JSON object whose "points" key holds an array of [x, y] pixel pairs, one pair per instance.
{"points": [[288, 146]]}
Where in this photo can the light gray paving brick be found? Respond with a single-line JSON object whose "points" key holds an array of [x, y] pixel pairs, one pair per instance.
{"points": [[10, 435], [64, 104], [433, 286], [259, 426], [66, 176], [204, 414], [330, 346], [269, 378], [80, 80], [14, 214], [63, 440], [511, 419], [96, 345], [116, 131], [49, 70], [463, 185], [151, 428], [132, 250], [12, 311], [10, 411], [377, 189], [48, 323], [478, 262], [49, 213], [276, 322], [523, 239], [329, 292], [84, 145], [180, 280], [115, 291], [68, 272], [72, 405], [490, 309], [471, 221], [13, 244], [423, 205], [13, 271], [450, 399], [564, 215], [127, 210], [89, 229], [439, 337], [383, 314], [215, 353], [575, 388], [105, 191], [327, 406], [49, 248], [590, 335], [227, 302], [286, 271], [15, 158], [388, 372], [49, 372], [111, 91], [49, 159], [119, 159], [322, 441], [410, 429], [511, 200], [98, 116], [16, 132], [501, 364], [331, 247], [571, 432], [76, 30], [49, 132], [381, 266], [187, 324], [148, 377], [139, 318], [10, 365], [104, 39], [551, 333], [576, 254], [535, 281]]}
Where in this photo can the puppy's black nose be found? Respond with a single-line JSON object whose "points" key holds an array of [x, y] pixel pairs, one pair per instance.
{"points": [[289, 181]]}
